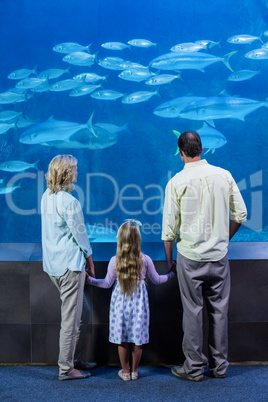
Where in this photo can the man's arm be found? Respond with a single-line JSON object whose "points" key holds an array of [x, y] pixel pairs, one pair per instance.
{"points": [[233, 228], [169, 245]]}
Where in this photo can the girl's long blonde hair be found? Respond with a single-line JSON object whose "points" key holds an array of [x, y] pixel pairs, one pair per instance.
{"points": [[61, 173], [128, 257]]}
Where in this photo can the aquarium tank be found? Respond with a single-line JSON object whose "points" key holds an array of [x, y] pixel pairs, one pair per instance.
{"points": [[114, 83]]}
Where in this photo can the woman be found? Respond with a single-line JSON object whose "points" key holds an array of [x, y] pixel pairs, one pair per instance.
{"points": [[66, 253]]}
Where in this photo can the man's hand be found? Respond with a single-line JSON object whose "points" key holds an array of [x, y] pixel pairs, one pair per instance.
{"points": [[90, 271]]}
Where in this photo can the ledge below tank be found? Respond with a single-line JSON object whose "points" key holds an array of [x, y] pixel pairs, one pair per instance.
{"points": [[104, 251]]}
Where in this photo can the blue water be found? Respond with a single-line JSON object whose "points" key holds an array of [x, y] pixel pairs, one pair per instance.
{"points": [[127, 179]]}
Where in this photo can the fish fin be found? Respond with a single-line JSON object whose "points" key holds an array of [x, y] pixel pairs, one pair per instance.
{"points": [[179, 72], [35, 164], [87, 48], [126, 128], [226, 59], [90, 126], [51, 118], [213, 151], [211, 122], [67, 71], [204, 124], [177, 133], [202, 70], [207, 151], [176, 153]]}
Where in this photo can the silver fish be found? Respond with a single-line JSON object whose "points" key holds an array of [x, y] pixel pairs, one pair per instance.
{"points": [[11, 97], [45, 87], [187, 47], [21, 73], [207, 43], [137, 97], [83, 90], [172, 108], [4, 127], [257, 54], [31, 82], [161, 79], [52, 73], [70, 47], [80, 59], [187, 60], [141, 43], [131, 64], [136, 75], [64, 85], [106, 94], [115, 46], [8, 116], [56, 130], [8, 189], [112, 63], [221, 107], [17, 166], [242, 75], [89, 77], [243, 39]]}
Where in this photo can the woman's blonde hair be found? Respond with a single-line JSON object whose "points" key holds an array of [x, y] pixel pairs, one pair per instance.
{"points": [[128, 257], [61, 173]]}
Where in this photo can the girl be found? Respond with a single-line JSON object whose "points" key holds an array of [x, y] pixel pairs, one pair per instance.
{"points": [[129, 307]]}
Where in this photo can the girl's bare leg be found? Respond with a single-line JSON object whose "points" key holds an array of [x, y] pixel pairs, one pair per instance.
{"points": [[136, 357], [123, 351]]}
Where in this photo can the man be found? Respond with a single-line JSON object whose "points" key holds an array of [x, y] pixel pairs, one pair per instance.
{"points": [[199, 203], [66, 253]]}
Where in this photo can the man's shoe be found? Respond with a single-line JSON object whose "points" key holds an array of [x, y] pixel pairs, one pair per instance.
{"points": [[178, 371], [80, 365], [217, 375]]}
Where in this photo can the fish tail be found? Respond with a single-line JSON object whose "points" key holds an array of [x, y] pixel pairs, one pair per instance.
{"points": [[226, 60], [35, 70], [87, 48], [177, 135], [35, 164], [90, 126]]}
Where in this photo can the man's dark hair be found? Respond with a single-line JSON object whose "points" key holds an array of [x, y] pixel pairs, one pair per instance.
{"points": [[190, 143]]}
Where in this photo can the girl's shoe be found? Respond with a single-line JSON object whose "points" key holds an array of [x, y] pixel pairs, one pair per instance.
{"points": [[134, 375], [124, 376]]}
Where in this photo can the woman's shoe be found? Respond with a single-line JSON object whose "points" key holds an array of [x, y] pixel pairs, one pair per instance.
{"points": [[124, 376], [134, 375]]}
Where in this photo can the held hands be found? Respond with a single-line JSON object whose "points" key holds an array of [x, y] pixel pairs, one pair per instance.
{"points": [[172, 267], [90, 270]]}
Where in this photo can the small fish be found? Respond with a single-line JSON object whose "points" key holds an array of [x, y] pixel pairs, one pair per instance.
{"points": [[242, 75], [257, 54], [208, 44], [31, 82], [243, 39], [83, 90], [52, 73], [137, 75], [11, 97], [112, 63], [8, 189], [187, 47], [137, 97], [8, 116], [45, 87], [161, 79], [80, 59], [4, 127], [64, 85], [17, 166], [141, 43], [70, 47], [89, 77], [20, 74], [106, 94], [115, 46]]}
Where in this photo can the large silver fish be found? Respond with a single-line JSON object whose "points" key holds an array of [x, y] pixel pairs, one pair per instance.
{"points": [[210, 137], [56, 130], [221, 107], [173, 107], [188, 60]]}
